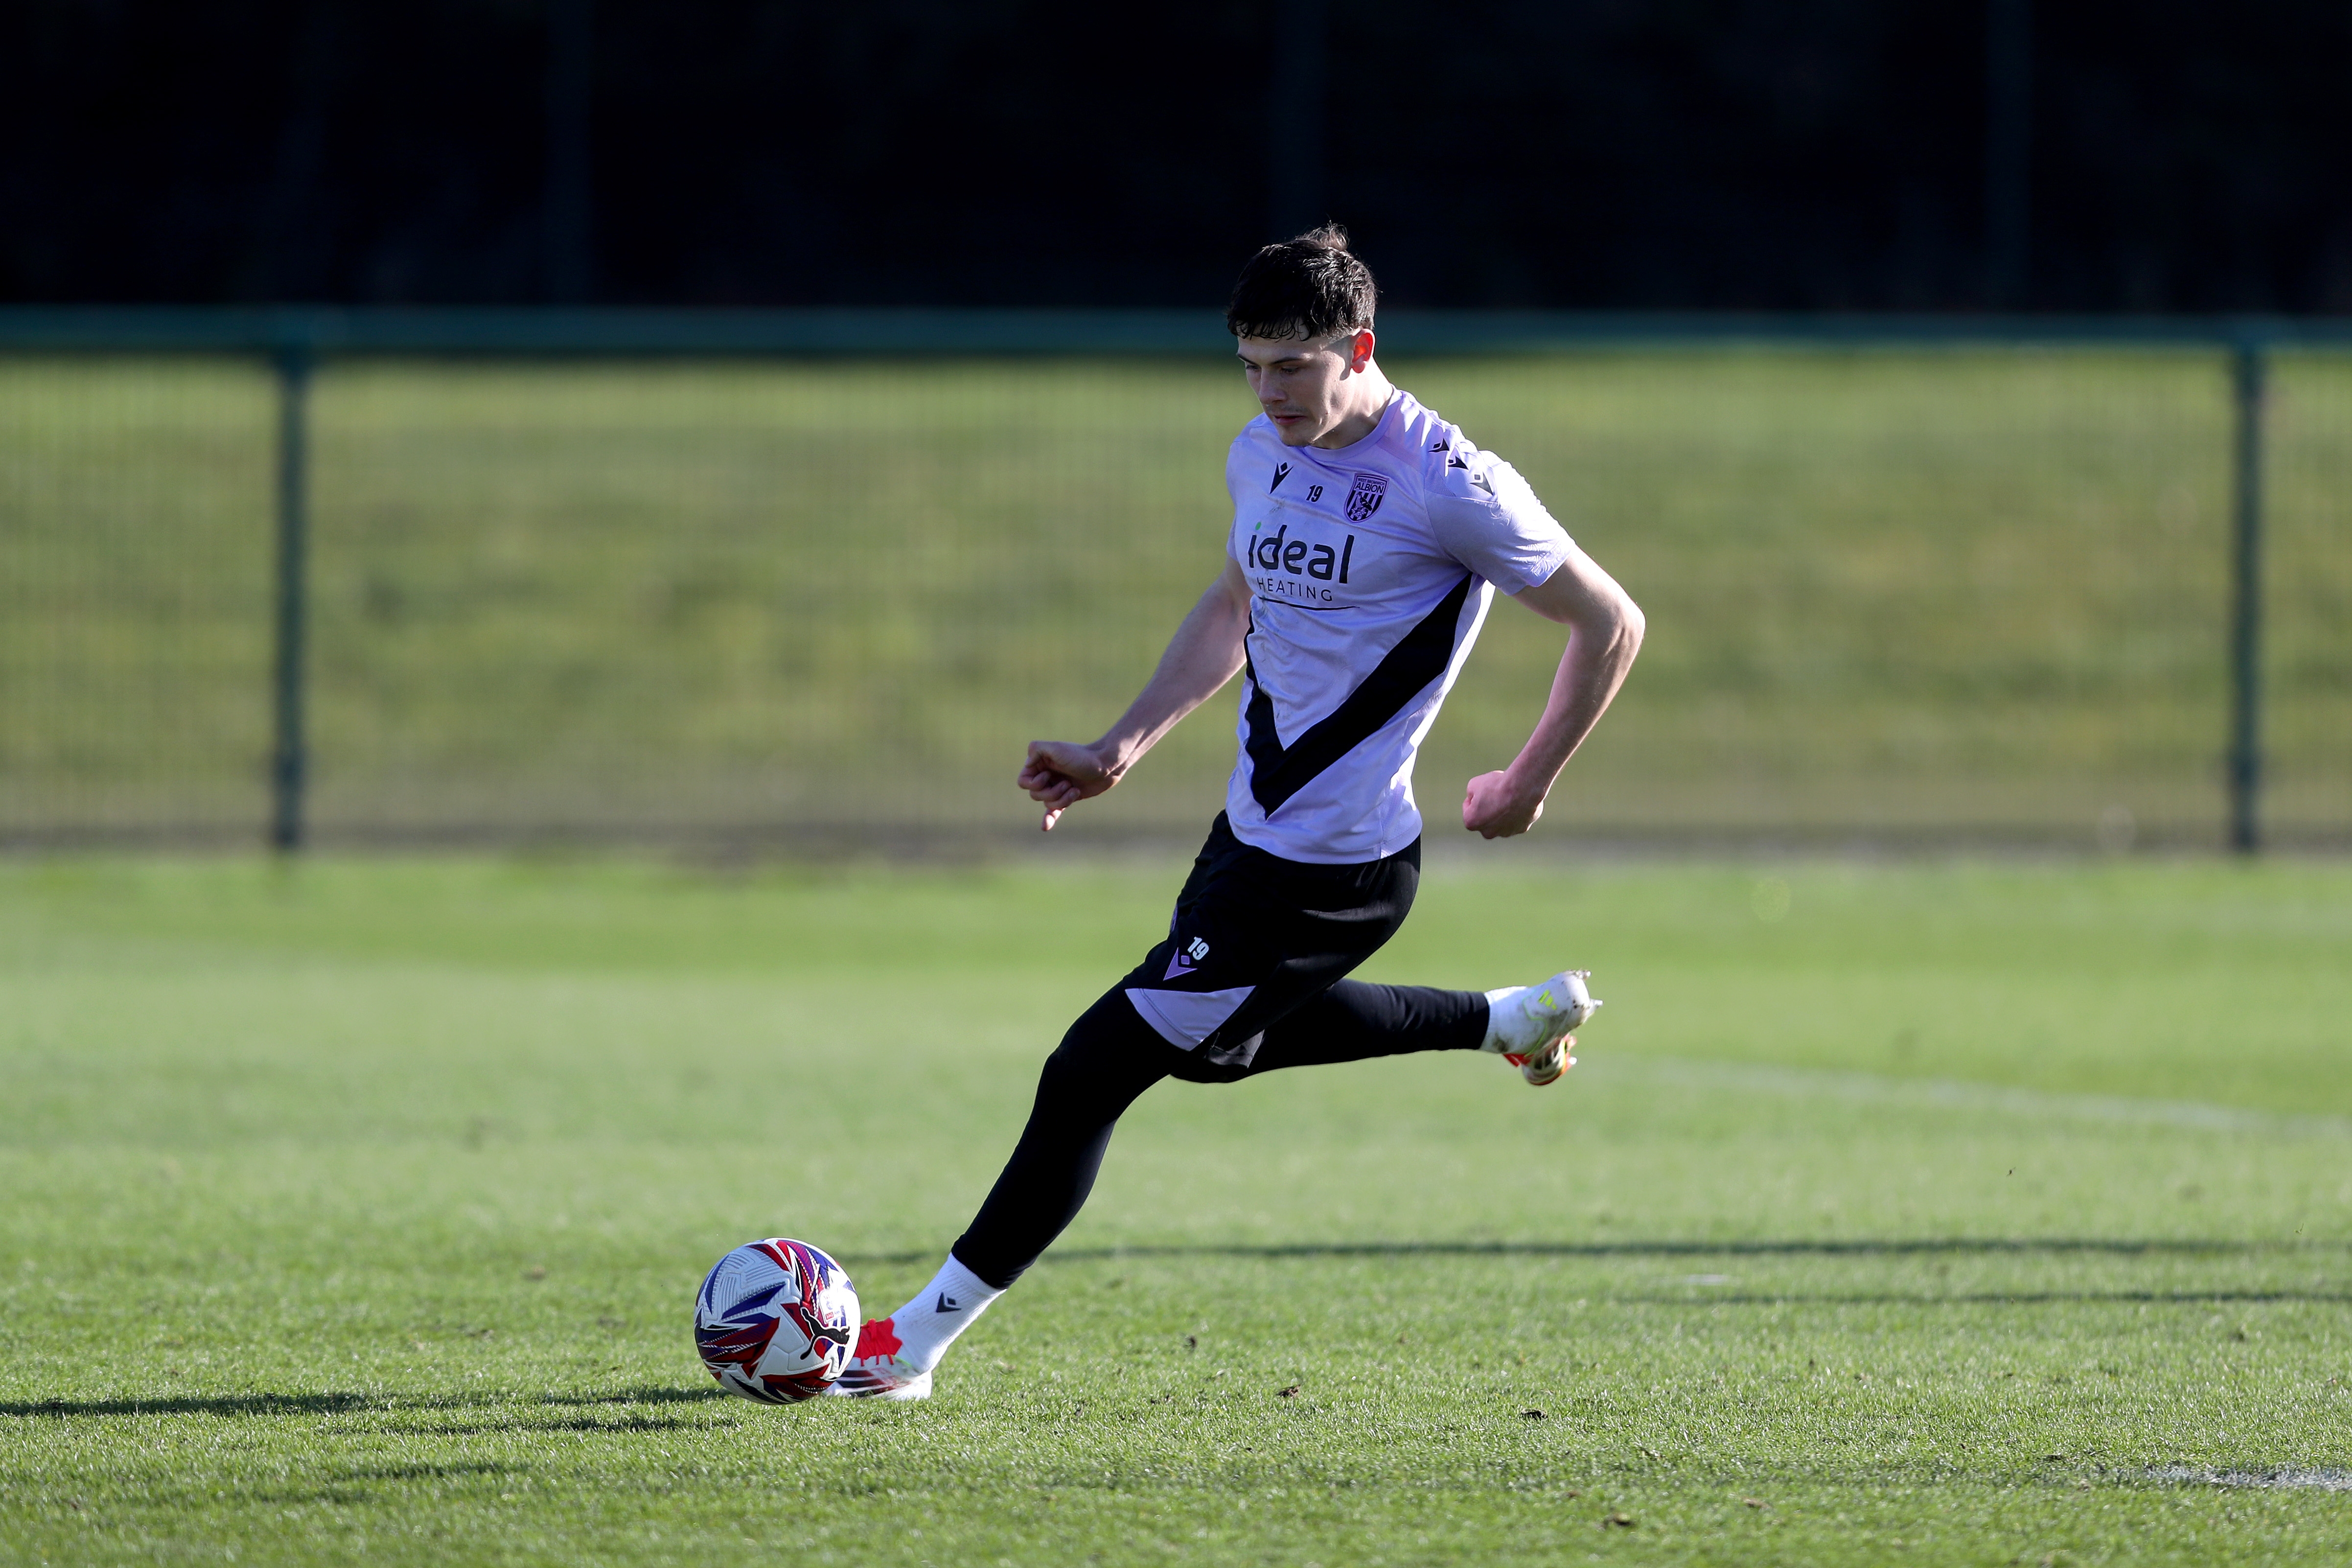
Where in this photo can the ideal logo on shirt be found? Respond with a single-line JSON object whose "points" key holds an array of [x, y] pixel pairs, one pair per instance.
{"points": [[1278, 552]]}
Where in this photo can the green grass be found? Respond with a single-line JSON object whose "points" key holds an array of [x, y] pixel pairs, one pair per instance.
{"points": [[1979, 592], [354, 1209]]}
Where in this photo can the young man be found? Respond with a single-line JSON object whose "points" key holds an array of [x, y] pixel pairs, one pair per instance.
{"points": [[1369, 537]]}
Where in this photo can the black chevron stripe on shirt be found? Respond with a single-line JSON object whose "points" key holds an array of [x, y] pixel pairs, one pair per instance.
{"points": [[1278, 772]]}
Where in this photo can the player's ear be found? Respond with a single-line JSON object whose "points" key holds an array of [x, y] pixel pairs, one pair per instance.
{"points": [[1359, 353]]}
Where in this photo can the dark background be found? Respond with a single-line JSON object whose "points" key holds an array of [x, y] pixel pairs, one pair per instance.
{"points": [[2158, 155]]}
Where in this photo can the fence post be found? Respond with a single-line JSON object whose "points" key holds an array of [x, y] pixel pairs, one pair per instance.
{"points": [[2245, 759], [288, 757], [2009, 149]]}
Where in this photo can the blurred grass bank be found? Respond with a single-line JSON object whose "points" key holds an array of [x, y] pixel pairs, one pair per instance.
{"points": [[1973, 594]]}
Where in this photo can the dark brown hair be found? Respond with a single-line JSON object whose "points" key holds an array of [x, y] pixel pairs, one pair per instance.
{"points": [[1312, 287]]}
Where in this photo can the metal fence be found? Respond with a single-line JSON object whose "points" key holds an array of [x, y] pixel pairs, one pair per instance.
{"points": [[812, 579]]}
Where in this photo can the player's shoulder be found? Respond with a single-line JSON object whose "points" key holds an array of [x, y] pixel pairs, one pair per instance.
{"points": [[1431, 449], [1413, 430]]}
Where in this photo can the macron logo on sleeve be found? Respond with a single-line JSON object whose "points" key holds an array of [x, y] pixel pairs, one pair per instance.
{"points": [[1479, 479]]}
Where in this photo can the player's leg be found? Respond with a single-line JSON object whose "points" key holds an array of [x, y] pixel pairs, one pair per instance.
{"points": [[1253, 939], [1325, 921], [1527, 1025], [1107, 1059], [1356, 1020]]}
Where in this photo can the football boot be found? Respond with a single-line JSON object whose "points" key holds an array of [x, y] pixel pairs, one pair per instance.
{"points": [[876, 1370], [1530, 1026]]}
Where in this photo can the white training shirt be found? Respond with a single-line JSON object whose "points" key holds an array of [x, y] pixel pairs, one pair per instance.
{"points": [[1370, 568]]}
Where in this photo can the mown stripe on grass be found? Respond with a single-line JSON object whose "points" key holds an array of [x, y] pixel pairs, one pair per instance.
{"points": [[1950, 1094]]}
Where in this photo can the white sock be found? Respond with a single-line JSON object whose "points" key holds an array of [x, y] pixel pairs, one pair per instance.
{"points": [[1495, 1004], [940, 1310]]}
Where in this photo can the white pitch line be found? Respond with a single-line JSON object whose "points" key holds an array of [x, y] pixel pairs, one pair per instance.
{"points": [[1950, 1094], [2288, 1477]]}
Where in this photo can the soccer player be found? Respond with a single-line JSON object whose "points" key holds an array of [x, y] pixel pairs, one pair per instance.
{"points": [[1368, 540]]}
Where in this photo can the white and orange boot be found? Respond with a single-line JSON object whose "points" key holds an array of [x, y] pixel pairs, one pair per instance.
{"points": [[878, 1371], [893, 1357], [1530, 1026]]}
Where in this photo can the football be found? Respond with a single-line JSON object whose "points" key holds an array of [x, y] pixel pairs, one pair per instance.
{"points": [[776, 1320]]}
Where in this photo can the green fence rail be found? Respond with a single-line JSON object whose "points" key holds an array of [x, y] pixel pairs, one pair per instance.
{"points": [[1090, 396]]}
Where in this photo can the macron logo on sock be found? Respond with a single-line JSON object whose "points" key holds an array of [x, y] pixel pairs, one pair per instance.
{"points": [[946, 1304]]}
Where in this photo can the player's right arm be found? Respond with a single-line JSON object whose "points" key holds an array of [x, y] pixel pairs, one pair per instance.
{"points": [[1204, 654], [1605, 628]]}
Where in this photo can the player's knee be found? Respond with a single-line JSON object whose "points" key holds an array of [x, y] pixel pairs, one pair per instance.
{"points": [[1110, 1052], [1193, 1066]]}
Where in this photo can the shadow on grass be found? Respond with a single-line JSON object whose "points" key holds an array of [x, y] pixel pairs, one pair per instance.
{"points": [[591, 1423], [1700, 1296], [333, 1404], [662, 1396], [223, 1404], [1993, 1246]]}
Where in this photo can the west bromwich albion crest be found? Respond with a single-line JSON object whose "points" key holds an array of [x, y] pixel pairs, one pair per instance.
{"points": [[1364, 496]]}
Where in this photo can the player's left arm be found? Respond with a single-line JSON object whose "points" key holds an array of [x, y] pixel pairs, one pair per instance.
{"points": [[1604, 632], [1207, 651]]}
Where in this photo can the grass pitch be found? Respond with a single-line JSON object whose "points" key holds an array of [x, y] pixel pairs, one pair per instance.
{"points": [[1967, 1215]]}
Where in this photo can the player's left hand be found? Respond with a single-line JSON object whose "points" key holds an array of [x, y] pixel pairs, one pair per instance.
{"points": [[1493, 807]]}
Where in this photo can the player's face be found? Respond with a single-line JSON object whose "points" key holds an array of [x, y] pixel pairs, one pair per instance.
{"points": [[1306, 387]]}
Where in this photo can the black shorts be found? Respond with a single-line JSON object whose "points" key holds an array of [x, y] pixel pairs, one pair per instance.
{"points": [[1250, 978], [1253, 938]]}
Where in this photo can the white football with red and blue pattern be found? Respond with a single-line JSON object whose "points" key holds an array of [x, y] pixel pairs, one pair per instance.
{"points": [[775, 1321]]}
